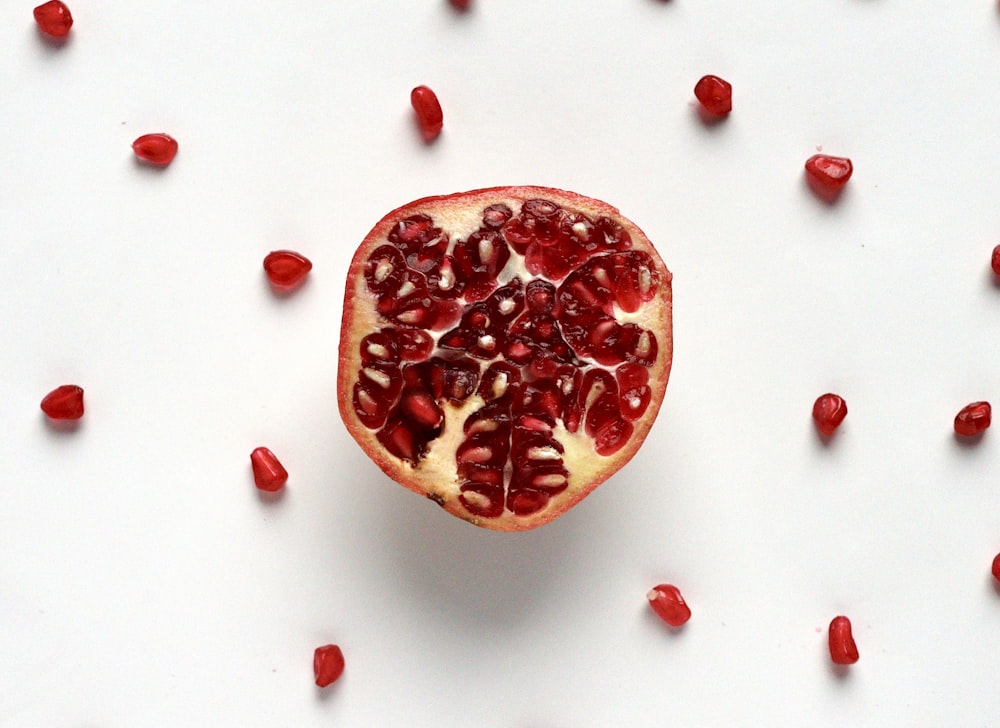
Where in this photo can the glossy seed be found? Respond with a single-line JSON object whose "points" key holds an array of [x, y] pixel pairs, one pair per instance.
{"points": [[286, 268], [829, 411], [54, 18], [64, 403], [843, 650], [667, 602], [995, 260], [715, 95], [430, 118], [328, 664], [973, 419], [158, 149], [830, 173], [268, 473]]}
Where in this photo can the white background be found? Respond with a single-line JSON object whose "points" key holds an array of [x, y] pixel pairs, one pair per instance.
{"points": [[143, 582]]}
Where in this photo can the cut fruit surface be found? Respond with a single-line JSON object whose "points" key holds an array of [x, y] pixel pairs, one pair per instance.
{"points": [[504, 351]]}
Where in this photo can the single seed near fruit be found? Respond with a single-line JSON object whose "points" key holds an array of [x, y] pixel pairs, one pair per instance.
{"points": [[268, 474], [715, 95], [328, 664], [64, 403], [158, 149], [286, 268], [995, 260], [996, 567], [973, 419], [828, 412], [843, 650], [831, 173], [667, 602], [54, 18], [429, 115]]}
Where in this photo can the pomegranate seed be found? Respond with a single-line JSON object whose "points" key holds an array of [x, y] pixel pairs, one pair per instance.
{"points": [[973, 419], [828, 412], [268, 474], [830, 173], [54, 18], [328, 664], [286, 268], [158, 149], [667, 602], [715, 95], [995, 260], [64, 403], [429, 116], [996, 567], [843, 650], [460, 4]]}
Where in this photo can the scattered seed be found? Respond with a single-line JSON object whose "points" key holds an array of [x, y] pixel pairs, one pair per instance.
{"points": [[667, 602], [973, 419], [996, 567], [54, 18], [268, 474], [829, 411], [286, 268], [995, 260], [328, 664], [830, 173], [715, 95], [158, 149], [64, 403], [843, 650], [430, 118]]}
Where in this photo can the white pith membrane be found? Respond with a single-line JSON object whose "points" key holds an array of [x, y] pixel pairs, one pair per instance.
{"points": [[435, 474]]}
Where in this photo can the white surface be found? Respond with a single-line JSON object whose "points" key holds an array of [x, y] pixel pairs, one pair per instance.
{"points": [[144, 583]]}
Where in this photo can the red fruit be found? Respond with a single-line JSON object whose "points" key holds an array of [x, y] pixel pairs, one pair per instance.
{"points": [[328, 664], [268, 474], [828, 412], [843, 650], [715, 95], [158, 149], [429, 115], [667, 602], [504, 351], [995, 260], [973, 419], [64, 403], [285, 268], [54, 18], [830, 173]]}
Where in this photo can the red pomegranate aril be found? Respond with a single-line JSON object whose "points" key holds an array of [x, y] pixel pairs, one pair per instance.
{"points": [[715, 95], [430, 118], [669, 605], [830, 173], [158, 149], [328, 664], [64, 403], [973, 419], [286, 268], [995, 260], [829, 411], [996, 567], [268, 473], [843, 650], [54, 18]]}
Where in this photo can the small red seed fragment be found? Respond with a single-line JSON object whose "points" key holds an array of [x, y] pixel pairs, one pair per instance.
{"points": [[715, 95], [286, 268], [54, 18], [996, 567], [843, 650], [973, 419], [268, 474], [830, 173], [430, 118], [328, 664], [667, 602], [828, 412], [995, 260], [64, 403], [158, 149]]}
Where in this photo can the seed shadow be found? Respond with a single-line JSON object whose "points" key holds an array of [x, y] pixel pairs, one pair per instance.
{"points": [[652, 619], [325, 695], [967, 442], [707, 119], [149, 167], [284, 292], [53, 43], [841, 673], [62, 428], [829, 197]]}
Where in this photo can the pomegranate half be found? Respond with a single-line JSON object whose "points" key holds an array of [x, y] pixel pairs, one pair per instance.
{"points": [[504, 351]]}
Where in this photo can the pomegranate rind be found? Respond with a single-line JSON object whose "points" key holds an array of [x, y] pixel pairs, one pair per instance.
{"points": [[435, 476]]}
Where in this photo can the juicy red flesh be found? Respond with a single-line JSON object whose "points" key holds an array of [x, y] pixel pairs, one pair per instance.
{"points": [[158, 149], [64, 403], [54, 18], [829, 411], [286, 268], [669, 605], [430, 118], [268, 473], [328, 664], [995, 260], [973, 419], [541, 352], [843, 650], [830, 173], [715, 95]]}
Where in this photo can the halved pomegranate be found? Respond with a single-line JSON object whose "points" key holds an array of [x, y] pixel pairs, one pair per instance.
{"points": [[504, 351]]}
